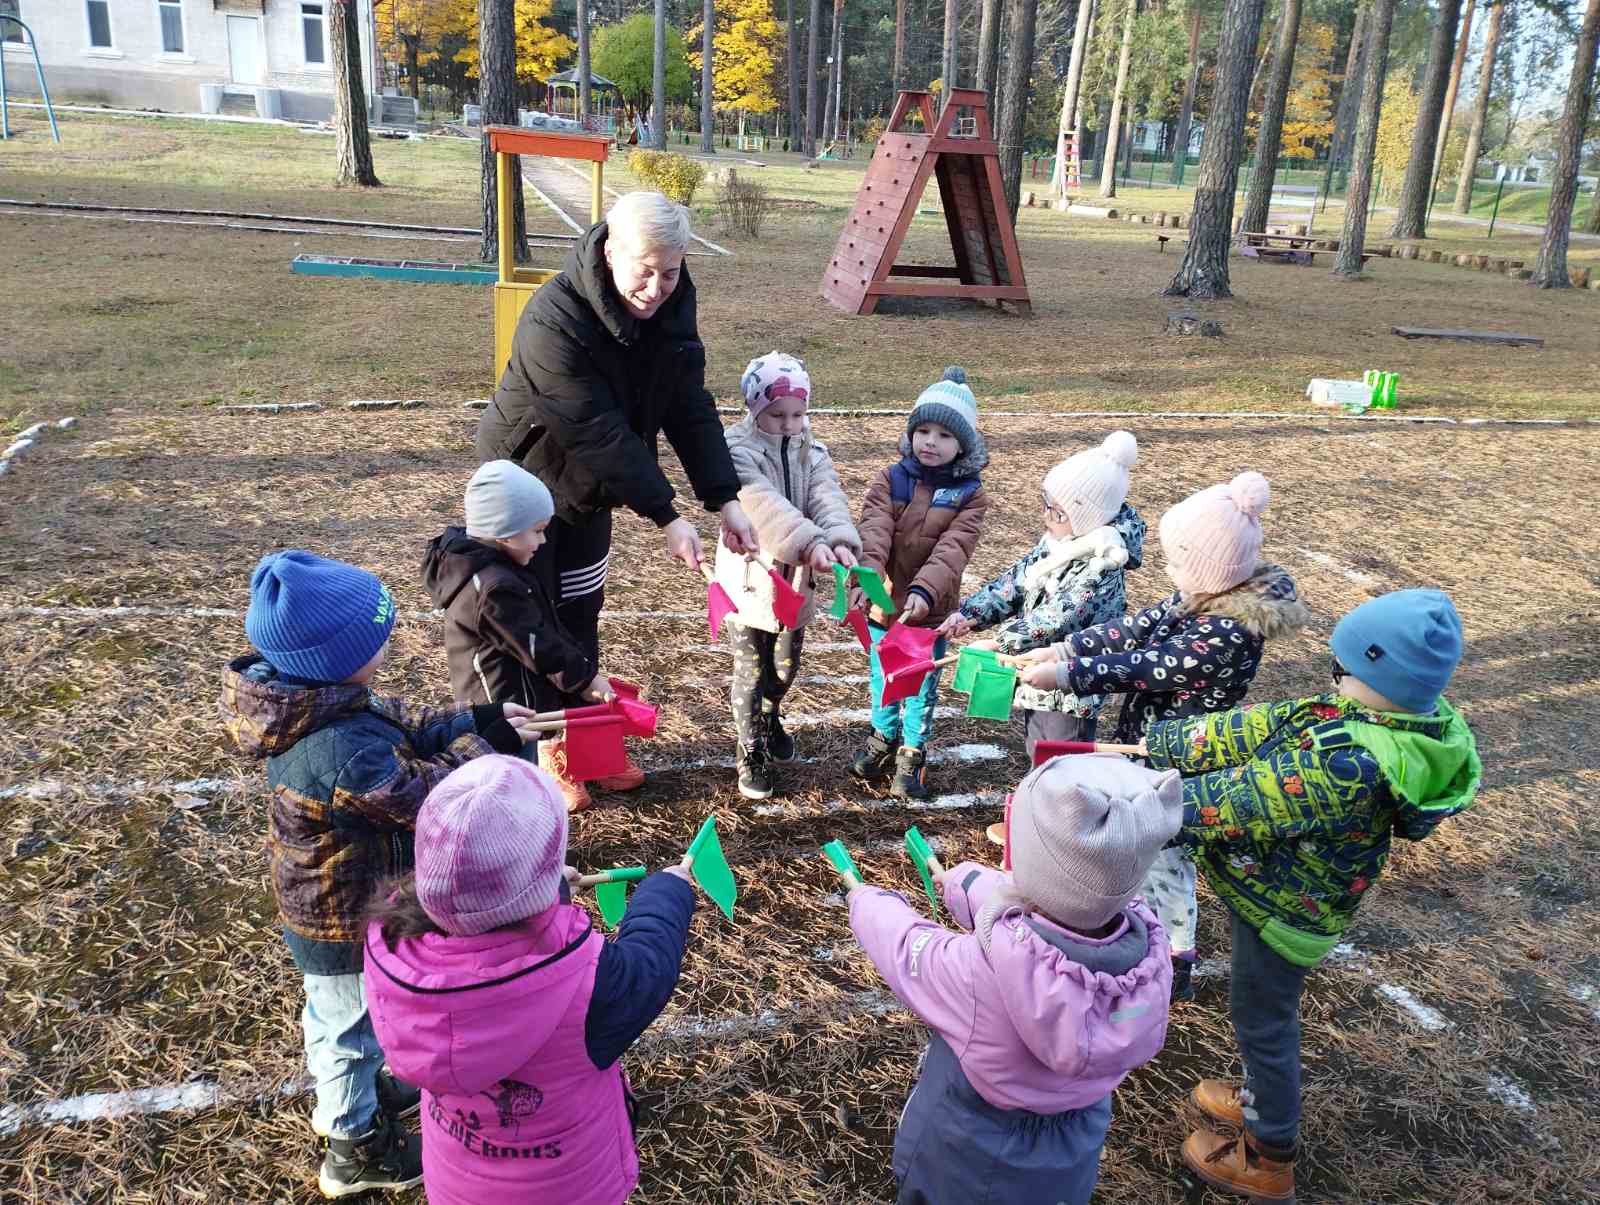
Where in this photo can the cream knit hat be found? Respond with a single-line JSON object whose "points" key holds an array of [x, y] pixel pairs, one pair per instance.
{"points": [[1091, 487], [1212, 539]]}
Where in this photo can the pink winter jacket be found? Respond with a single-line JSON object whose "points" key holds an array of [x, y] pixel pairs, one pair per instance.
{"points": [[492, 1029], [1032, 1027]]}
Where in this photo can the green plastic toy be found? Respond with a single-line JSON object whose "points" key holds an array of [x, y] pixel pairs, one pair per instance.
{"points": [[841, 859], [991, 693], [920, 852], [711, 869], [872, 585], [969, 663], [841, 591], [612, 894]]}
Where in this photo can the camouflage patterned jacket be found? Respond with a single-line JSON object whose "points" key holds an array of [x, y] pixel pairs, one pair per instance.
{"points": [[348, 772], [1290, 806]]}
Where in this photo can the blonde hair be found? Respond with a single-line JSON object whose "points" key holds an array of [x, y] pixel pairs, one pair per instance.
{"points": [[649, 221]]}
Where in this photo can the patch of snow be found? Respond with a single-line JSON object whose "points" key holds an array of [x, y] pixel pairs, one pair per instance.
{"points": [[1424, 1015], [1506, 1091]]}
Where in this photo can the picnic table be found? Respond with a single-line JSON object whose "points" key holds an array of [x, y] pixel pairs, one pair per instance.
{"points": [[1256, 238], [1292, 255]]}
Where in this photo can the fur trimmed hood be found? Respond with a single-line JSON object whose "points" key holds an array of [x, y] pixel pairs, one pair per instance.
{"points": [[1266, 603]]}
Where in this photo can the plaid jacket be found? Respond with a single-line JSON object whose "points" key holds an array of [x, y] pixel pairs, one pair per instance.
{"points": [[348, 772]]}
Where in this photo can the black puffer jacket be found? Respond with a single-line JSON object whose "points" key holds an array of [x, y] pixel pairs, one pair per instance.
{"points": [[589, 389], [501, 632]]}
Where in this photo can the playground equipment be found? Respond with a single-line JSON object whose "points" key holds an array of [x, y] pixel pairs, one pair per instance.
{"points": [[515, 286], [38, 70], [603, 93], [967, 166]]}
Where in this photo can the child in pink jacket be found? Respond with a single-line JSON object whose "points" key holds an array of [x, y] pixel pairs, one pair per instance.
{"points": [[506, 1005], [1057, 990]]}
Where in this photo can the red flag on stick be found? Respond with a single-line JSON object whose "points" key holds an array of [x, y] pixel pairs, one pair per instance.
{"points": [[638, 717], [1043, 751], [623, 689], [787, 602], [905, 657], [856, 619], [905, 681], [594, 747], [718, 605]]}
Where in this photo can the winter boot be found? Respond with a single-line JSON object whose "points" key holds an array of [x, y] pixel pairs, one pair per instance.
{"points": [[875, 763], [1220, 1100], [553, 761], [1240, 1165], [996, 833], [910, 774], [1182, 980], [780, 745], [384, 1157], [755, 769], [396, 1097], [630, 779]]}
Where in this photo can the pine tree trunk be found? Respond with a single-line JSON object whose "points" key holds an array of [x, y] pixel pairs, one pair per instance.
{"points": [[1411, 217], [811, 79], [1204, 272], [1069, 98], [1447, 117], [352, 145], [708, 144], [793, 65], [658, 90], [1180, 137], [988, 46], [899, 46], [1348, 263], [1344, 119], [1480, 108], [1108, 162], [497, 94], [1551, 270], [1014, 88], [1258, 198], [585, 101], [947, 59], [413, 71]]}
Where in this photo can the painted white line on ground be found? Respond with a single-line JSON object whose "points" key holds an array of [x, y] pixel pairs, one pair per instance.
{"points": [[820, 646], [584, 176], [724, 680], [959, 802], [165, 1098], [556, 209], [1349, 573], [857, 715], [1425, 1016]]}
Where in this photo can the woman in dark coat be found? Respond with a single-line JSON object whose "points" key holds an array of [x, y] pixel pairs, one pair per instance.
{"points": [[606, 359]]}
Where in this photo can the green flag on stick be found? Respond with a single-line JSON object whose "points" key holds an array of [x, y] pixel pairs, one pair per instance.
{"points": [[841, 591], [872, 585], [991, 693], [920, 851], [711, 869], [841, 859], [613, 900], [967, 667]]}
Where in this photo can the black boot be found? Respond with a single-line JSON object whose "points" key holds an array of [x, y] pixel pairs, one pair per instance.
{"points": [[387, 1156], [910, 775], [755, 767], [1182, 980], [396, 1097], [780, 745], [876, 762]]}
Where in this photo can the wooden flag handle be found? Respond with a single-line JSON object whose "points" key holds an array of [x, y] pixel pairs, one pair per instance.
{"points": [[705, 572]]}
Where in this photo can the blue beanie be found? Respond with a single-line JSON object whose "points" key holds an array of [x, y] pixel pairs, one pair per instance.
{"points": [[1404, 645], [950, 403], [314, 618]]}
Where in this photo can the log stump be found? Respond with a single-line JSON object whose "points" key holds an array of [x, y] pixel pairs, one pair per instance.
{"points": [[1182, 322]]}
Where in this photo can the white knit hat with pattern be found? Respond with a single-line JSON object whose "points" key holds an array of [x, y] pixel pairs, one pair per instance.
{"points": [[1091, 487]]}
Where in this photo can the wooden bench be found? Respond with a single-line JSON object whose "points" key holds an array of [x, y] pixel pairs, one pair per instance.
{"points": [[1304, 256], [1253, 238]]}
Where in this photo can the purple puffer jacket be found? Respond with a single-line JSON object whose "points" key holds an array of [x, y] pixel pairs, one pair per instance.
{"points": [[1033, 1027], [492, 1029]]}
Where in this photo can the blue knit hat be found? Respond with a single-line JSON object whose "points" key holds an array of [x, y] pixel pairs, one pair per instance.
{"points": [[951, 404], [314, 618], [1404, 645]]}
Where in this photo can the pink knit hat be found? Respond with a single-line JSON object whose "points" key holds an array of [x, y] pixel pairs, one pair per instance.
{"points": [[491, 844], [772, 376], [1091, 487], [1213, 538]]}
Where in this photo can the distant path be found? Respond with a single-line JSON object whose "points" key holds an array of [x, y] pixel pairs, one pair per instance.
{"points": [[1518, 227], [565, 189]]}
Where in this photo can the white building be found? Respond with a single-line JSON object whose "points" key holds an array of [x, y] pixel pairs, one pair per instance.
{"points": [[269, 57]]}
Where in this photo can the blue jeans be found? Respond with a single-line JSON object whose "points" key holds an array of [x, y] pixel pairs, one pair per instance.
{"points": [[1264, 1001], [342, 1055], [910, 721]]}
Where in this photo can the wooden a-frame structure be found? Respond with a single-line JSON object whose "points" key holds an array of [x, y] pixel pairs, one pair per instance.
{"points": [[966, 162]]}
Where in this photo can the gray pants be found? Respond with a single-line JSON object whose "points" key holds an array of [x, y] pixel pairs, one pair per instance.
{"points": [[764, 667], [1054, 726], [1264, 1002]]}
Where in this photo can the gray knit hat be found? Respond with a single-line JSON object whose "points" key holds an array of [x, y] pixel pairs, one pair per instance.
{"points": [[952, 405], [503, 498], [1085, 829]]}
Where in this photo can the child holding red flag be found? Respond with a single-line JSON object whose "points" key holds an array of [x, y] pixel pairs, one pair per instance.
{"points": [[502, 634], [791, 492], [919, 525]]}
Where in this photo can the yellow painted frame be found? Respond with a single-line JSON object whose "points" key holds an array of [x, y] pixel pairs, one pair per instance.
{"points": [[515, 285]]}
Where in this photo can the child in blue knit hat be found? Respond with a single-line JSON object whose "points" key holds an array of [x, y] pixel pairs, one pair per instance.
{"points": [[349, 771], [1290, 809]]}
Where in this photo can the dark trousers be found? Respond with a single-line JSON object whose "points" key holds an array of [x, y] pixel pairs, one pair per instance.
{"points": [[572, 564], [764, 667], [1264, 1002], [1055, 726]]}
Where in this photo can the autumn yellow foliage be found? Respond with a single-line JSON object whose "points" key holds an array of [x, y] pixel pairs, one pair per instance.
{"points": [[744, 55], [1396, 131], [1308, 110], [539, 47]]}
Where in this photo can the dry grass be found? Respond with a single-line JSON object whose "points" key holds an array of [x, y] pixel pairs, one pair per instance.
{"points": [[140, 946]]}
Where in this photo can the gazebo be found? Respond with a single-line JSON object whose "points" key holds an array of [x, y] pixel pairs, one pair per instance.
{"points": [[603, 97]]}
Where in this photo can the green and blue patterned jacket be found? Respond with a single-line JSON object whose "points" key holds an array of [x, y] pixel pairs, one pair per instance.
{"points": [[1290, 807]]}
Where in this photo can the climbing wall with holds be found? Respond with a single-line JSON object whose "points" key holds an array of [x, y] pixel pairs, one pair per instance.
{"points": [[988, 266]]}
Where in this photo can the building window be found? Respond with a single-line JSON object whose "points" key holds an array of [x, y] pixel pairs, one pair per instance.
{"points": [[171, 26], [313, 27], [10, 31], [99, 24]]}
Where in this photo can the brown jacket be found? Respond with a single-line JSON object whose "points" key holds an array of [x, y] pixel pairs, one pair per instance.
{"points": [[920, 534]]}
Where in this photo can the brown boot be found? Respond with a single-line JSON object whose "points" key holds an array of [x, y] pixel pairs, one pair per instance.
{"points": [[1219, 1100], [553, 761], [1239, 1166], [996, 833]]}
